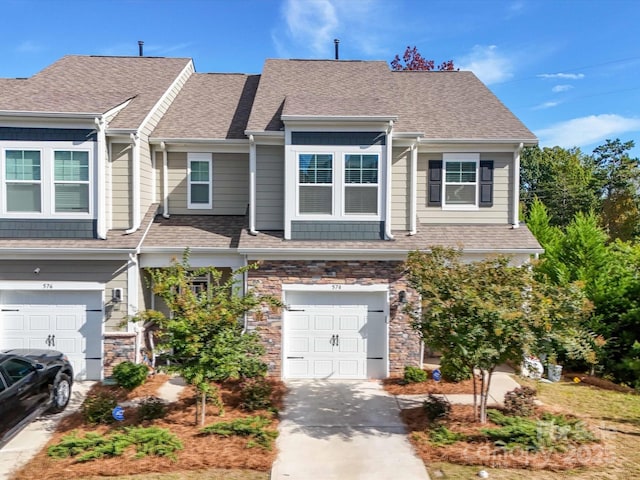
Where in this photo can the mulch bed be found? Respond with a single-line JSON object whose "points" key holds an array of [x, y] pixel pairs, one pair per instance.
{"points": [[482, 452], [395, 386], [598, 382], [200, 452]]}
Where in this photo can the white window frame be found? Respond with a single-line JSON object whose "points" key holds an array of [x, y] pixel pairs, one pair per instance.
{"points": [[47, 177], [359, 185], [331, 185], [460, 157], [69, 182], [199, 157], [6, 182]]}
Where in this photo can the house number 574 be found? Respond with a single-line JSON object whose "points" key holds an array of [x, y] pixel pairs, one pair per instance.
{"points": [[47, 286], [336, 287]]}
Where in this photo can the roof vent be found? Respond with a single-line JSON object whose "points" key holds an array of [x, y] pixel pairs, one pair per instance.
{"points": [[336, 41], [140, 44]]}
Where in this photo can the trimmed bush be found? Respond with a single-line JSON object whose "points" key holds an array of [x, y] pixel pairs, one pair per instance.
{"points": [[253, 427], [151, 408], [414, 375], [519, 402], [453, 370], [255, 394], [98, 408], [130, 375], [436, 408], [442, 436]]}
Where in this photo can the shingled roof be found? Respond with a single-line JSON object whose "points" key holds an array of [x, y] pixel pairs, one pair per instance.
{"points": [[94, 84], [440, 105], [211, 105]]}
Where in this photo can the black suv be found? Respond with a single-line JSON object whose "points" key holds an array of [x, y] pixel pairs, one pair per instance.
{"points": [[31, 382]]}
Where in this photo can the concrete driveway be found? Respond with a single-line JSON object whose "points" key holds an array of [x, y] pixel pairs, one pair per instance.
{"points": [[345, 430], [34, 436]]}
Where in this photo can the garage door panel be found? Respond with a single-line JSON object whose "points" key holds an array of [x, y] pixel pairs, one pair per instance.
{"points": [[323, 322], [299, 345], [299, 368], [299, 322], [349, 368], [322, 368], [39, 323], [322, 345], [350, 345]]}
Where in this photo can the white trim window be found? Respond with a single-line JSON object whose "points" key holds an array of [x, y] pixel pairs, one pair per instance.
{"points": [[460, 180], [315, 184], [71, 181], [200, 181], [361, 184], [23, 178]]}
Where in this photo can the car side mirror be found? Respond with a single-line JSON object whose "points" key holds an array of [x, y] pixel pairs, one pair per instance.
{"points": [[39, 366]]}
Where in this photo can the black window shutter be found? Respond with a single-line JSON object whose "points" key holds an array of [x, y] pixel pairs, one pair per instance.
{"points": [[435, 183], [486, 183]]}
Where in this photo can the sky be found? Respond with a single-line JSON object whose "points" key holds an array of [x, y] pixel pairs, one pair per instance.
{"points": [[569, 69]]}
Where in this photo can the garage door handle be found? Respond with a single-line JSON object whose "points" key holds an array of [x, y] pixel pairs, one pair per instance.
{"points": [[51, 340], [337, 340]]}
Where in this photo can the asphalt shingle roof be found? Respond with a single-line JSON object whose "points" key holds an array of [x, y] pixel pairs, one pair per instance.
{"points": [[93, 84], [212, 105], [195, 231]]}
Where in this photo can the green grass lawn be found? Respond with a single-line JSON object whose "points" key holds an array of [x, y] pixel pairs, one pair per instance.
{"points": [[613, 416]]}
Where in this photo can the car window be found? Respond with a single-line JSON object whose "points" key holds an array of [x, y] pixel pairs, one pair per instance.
{"points": [[16, 369], [2, 386]]}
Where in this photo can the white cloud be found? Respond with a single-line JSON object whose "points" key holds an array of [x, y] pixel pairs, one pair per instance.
{"points": [[312, 23], [487, 63], [588, 130], [563, 76], [546, 105], [561, 88], [29, 47]]}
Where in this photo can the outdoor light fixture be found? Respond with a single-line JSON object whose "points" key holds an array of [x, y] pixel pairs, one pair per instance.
{"points": [[116, 295], [402, 296]]}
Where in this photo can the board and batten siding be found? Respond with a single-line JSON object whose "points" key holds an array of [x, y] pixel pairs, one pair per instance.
{"points": [[121, 161], [400, 189], [230, 184], [269, 187], [499, 213]]}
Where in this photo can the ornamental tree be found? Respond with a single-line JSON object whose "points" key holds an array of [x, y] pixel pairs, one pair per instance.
{"points": [[413, 60], [488, 312]]}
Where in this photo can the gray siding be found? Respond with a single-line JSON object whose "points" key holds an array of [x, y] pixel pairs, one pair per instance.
{"points": [[36, 228], [502, 195], [230, 184], [48, 134], [121, 160], [327, 230], [338, 138], [400, 189], [270, 188]]}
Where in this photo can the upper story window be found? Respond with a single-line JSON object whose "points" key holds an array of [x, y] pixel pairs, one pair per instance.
{"points": [[460, 181], [315, 177], [200, 191], [71, 179], [23, 181], [361, 184]]}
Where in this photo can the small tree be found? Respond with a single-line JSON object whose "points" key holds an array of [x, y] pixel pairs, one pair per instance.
{"points": [[413, 60], [203, 333], [487, 312]]}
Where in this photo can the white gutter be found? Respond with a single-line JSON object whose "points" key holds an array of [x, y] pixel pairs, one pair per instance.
{"points": [[532, 141], [389, 155], [19, 113], [165, 181], [252, 186], [135, 181], [400, 252], [101, 189], [265, 133], [224, 141], [413, 205], [339, 118], [516, 186]]}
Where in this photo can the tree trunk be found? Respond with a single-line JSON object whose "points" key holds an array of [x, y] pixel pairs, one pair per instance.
{"points": [[475, 395], [203, 407], [485, 395], [482, 397]]}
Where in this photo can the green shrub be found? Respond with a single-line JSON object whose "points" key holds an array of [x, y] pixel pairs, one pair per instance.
{"points": [[453, 370], [414, 374], [151, 408], [130, 375], [441, 436], [255, 394], [253, 427], [436, 408], [147, 441], [98, 408], [519, 402]]}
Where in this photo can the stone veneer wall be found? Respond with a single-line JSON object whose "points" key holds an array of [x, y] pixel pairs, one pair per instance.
{"points": [[404, 342], [118, 347]]}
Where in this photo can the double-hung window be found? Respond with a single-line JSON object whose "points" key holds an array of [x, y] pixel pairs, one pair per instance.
{"points": [[200, 181], [360, 184], [461, 180], [71, 181], [315, 183], [23, 176]]}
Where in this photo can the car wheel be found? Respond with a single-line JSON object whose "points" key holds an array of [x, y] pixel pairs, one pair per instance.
{"points": [[61, 393]]}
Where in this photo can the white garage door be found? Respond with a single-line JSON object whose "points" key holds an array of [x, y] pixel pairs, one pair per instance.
{"points": [[70, 322], [344, 341]]}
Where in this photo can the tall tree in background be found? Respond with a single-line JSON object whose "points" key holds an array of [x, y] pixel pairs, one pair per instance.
{"points": [[413, 60]]}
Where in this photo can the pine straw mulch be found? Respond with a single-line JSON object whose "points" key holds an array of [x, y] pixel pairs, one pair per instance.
{"points": [[599, 382], [481, 451], [394, 386], [200, 452]]}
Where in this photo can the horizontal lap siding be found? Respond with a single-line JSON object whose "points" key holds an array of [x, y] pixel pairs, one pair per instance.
{"points": [[121, 159], [230, 184], [270, 188], [400, 189], [500, 211]]}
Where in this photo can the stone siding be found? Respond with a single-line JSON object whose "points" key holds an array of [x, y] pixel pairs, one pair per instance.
{"points": [[118, 347], [404, 342]]}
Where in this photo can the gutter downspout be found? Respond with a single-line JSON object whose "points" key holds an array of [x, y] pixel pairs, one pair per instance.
{"points": [[413, 205], [252, 186], [516, 186], [101, 192], [387, 213], [165, 180], [135, 180]]}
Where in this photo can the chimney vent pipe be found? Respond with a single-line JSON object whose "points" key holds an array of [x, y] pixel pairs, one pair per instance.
{"points": [[337, 43], [140, 44]]}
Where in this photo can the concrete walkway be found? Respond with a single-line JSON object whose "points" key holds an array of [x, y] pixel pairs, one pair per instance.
{"points": [[346, 430], [34, 436]]}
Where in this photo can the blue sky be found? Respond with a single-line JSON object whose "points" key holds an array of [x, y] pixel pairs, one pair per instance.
{"points": [[570, 70]]}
